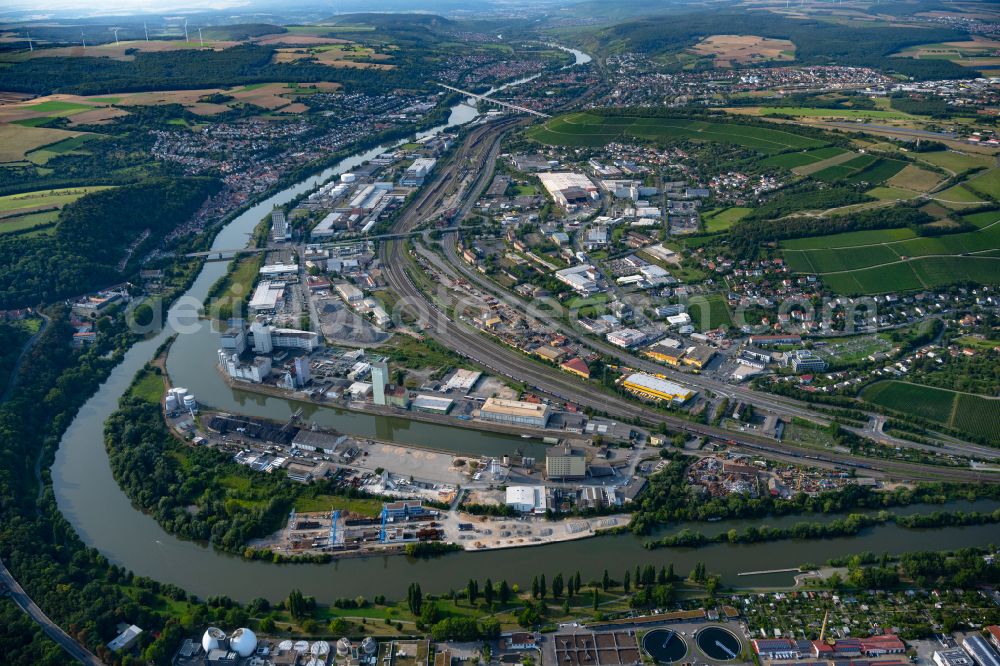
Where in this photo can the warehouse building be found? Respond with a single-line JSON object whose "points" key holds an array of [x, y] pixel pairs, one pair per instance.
{"points": [[527, 499], [416, 173], [648, 386], [432, 404], [564, 462], [980, 650], [953, 657], [266, 296], [515, 412]]}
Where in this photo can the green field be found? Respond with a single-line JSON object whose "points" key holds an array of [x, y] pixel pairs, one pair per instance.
{"points": [[584, 129], [958, 196], [897, 259], [45, 198], [970, 413], [792, 160], [709, 312], [883, 193], [953, 160], [720, 220], [149, 386], [10, 225], [71, 145], [363, 506], [866, 168], [987, 183], [808, 111]]}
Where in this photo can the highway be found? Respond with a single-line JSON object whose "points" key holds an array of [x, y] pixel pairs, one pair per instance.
{"points": [[480, 147], [51, 629]]}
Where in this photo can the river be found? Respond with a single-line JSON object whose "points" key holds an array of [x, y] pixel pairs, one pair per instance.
{"points": [[92, 502]]}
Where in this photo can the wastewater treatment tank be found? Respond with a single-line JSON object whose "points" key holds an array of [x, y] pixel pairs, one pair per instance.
{"points": [[665, 646], [719, 644]]}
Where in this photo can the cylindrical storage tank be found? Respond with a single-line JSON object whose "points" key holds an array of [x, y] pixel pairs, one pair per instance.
{"points": [[348, 178], [189, 401], [302, 647], [243, 642], [212, 639], [180, 393], [171, 402], [344, 647], [320, 648], [369, 646]]}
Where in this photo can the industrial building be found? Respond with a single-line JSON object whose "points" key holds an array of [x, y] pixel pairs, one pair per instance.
{"points": [[527, 499], [667, 350], [380, 380], [648, 386], [349, 293], [463, 380], [432, 404], [567, 187], [980, 650], [764, 340], [582, 279], [803, 360], [515, 412], [255, 371], [953, 657], [565, 462], [266, 296], [279, 225], [626, 338], [418, 171]]}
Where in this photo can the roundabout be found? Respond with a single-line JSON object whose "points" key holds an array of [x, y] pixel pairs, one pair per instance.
{"points": [[665, 646]]}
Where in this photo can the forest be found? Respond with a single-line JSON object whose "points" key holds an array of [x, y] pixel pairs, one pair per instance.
{"points": [[185, 70], [92, 236], [817, 42]]}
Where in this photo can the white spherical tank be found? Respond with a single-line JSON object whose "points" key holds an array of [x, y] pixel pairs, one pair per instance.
{"points": [[212, 639], [320, 648], [243, 642], [369, 645], [344, 647]]}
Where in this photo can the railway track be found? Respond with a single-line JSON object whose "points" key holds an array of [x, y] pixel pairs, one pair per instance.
{"points": [[480, 146]]}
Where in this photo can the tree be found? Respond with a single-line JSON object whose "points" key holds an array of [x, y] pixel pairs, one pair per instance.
{"points": [[472, 591], [414, 598], [534, 587], [297, 606], [542, 587], [638, 576], [627, 581], [576, 582], [597, 599], [488, 592], [557, 586], [504, 592], [606, 581]]}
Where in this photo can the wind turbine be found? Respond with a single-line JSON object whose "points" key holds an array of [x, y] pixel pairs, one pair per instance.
{"points": [[84, 38], [185, 30], [31, 47], [146, 30], [116, 35], [200, 39]]}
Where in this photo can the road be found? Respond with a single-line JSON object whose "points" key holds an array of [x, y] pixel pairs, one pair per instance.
{"points": [[51, 629], [480, 146], [28, 346]]}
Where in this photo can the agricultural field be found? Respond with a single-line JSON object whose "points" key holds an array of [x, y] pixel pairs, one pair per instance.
{"points": [[970, 413], [849, 114], [70, 146], [727, 50], [897, 259], [986, 183], [958, 197], [17, 141], [23, 223], [584, 129], [914, 178], [793, 160], [339, 54], [891, 194], [720, 220], [863, 168], [40, 200], [954, 161]]}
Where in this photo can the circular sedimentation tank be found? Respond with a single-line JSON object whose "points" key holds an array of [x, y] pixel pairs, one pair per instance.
{"points": [[665, 646], [719, 644]]}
